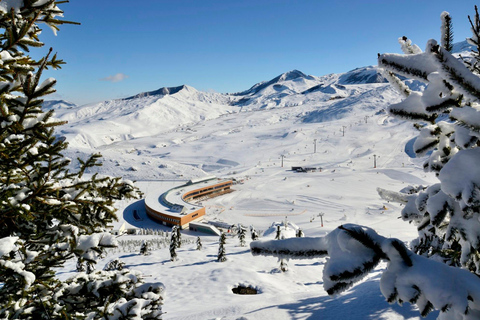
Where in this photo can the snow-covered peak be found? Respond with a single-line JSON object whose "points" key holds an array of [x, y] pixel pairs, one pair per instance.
{"points": [[362, 75], [462, 46], [162, 92], [291, 79], [292, 75], [58, 104]]}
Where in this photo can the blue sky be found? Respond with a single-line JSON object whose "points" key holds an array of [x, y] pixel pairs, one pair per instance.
{"points": [[124, 47]]}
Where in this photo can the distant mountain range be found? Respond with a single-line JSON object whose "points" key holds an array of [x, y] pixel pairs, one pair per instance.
{"points": [[288, 83]]}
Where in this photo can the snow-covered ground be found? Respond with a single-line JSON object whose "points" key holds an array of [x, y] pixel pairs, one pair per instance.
{"points": [[336, 123]]}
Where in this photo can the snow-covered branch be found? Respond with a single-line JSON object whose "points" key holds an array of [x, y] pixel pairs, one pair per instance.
{"points": [[353, 251]]}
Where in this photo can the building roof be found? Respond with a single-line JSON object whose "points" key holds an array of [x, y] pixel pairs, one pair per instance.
{"points": [[171, 201]]}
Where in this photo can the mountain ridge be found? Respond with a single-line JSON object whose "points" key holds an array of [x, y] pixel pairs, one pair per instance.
{"points": [[159, 92]]}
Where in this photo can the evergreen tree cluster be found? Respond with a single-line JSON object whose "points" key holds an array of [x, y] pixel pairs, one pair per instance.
{"points": [[50, 214]]}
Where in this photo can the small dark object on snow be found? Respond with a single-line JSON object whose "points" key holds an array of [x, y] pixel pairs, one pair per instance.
{"points": [[244, 290]]}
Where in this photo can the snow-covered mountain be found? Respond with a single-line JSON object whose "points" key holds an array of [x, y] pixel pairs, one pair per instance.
{"points": [[362, 75], [150, 126], [292, 80], [58, 104], [146, 114]]}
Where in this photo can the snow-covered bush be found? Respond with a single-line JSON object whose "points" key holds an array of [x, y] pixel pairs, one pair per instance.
{"points": [[111, 295], [441, 272], [49, 214], [114, 264]]}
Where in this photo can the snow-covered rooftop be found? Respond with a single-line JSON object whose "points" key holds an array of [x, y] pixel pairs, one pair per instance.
{"points": [[171, 201]]}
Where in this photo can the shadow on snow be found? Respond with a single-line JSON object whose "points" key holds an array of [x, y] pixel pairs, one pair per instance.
{"points": [[362, 302]]}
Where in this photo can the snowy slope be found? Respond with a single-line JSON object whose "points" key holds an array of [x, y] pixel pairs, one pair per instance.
{"points": [[95, 125], [164, 137]]}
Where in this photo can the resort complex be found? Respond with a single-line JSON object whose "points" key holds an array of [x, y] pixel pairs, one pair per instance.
{"points": [[180, 205]]}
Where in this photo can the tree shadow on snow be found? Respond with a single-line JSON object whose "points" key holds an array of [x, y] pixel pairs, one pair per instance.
{"points": [[362, 302], [195, 264], [238, 252]]}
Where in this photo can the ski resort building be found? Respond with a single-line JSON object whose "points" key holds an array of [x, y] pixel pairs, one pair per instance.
{"points": [[205, 228], [176, 207]]}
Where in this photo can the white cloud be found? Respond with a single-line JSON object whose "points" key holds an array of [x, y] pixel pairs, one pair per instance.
{"points": [[115, 78]]}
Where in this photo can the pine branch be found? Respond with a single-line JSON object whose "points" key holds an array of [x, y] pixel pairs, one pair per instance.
{"points": [[339, 287], [400, 247], [412, 115], [398, 84], [427, 309], [447, 31], [445, 105], [456, 72], [287, 253], [416, 296], [357, 272], [427, 147], [365, 239], [476, 32], [393, 296], [424, 223], [439, 217], [408, 71]]}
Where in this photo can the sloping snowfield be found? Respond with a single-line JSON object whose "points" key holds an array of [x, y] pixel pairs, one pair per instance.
{"points": [[335, 123]]}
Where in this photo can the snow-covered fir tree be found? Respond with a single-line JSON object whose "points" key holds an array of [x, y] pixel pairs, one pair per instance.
{"points": [[253, 233], [145, 248], [241, 235], [442, 270], [50, 214], [173, 244], [199, 243], [299, 233], [222, 257], [178, 242], [278, 233], [445, 213]]}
